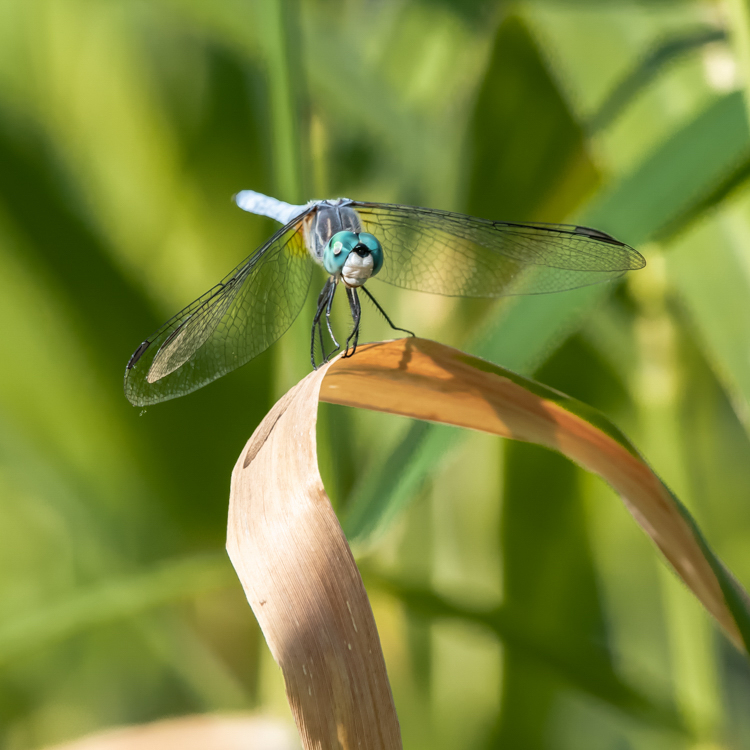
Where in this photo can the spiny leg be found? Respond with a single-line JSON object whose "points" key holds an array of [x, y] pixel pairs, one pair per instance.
{"points": [[356, 311], [328, 317], [384, 314], [315, 325], [323, 301]]}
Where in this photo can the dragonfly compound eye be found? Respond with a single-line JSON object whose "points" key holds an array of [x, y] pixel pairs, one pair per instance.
{"points": [[370, 242], [337, 251], [342, 244]]}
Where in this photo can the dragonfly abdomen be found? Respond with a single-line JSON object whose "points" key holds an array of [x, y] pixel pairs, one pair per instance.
{"points": [[263, 205]]}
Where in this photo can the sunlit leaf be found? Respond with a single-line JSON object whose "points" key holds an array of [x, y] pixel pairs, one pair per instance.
{"points": [[295, 565], [217, 731], [428, 381]]}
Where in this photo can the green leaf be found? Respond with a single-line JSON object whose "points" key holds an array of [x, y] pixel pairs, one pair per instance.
{"points": [[715, 290], [528, 155], [117, 598], [593, 675], [696, 168]]}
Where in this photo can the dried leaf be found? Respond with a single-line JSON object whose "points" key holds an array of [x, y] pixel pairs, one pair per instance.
{"points": [[301, 580], [426, 380], [296, 567], [215, 731]]}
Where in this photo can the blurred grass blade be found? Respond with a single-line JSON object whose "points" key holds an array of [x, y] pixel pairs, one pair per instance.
{"points": [[693, 170], [548, 577], [376, 504], [426, 380], [648, 69], [302, 582], [215, 731], [716, 294], [115, 599], [528, 154], [739, 15], [285, 95], [593, 675]]}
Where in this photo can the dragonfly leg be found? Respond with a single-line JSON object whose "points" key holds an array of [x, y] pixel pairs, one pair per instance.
{"points": [[323, 300], [334, 286], [356, 310], [384, 314], [322, 343]]}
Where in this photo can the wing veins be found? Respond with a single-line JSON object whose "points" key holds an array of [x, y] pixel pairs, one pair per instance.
{"points": [[489, 234], [185, 334]]}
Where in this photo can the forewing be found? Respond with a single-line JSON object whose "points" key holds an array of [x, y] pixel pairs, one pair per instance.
{"points": [[461, 256], [226, 327]]}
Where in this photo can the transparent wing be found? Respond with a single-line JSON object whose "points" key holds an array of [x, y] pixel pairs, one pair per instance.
{"points": [[460, 256], [229, 325]]}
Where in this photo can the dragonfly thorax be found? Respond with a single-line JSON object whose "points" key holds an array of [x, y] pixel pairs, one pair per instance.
{"points": [[327, 219], [353, 257]]}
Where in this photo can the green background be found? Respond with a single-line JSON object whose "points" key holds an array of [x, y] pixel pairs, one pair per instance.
{"points": [[519, 605]]}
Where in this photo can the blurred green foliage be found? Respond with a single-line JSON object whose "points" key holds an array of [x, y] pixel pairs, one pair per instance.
{"points": [[519, 604]]}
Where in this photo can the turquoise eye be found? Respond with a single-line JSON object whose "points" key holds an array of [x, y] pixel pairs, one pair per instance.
{"points": [[342, 243], [375, 248], [337, 251]]}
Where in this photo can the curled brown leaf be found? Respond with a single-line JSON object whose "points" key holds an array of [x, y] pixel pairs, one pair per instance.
{"points": [[198, 732], [296, 567]]}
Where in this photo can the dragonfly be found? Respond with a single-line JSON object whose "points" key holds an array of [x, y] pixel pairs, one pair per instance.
{"points": [[420, 249]]}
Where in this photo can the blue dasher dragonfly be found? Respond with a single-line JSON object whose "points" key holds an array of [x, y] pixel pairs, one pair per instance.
{"points": [[421, 249]]}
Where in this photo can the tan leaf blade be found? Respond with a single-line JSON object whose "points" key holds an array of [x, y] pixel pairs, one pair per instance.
{"points": [[296, 567], [301, 580], [198, 732], [426, 380]]}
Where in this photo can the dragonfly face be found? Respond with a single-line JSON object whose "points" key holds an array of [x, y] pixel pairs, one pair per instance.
{"points": [[353, 257], [423, 249]]}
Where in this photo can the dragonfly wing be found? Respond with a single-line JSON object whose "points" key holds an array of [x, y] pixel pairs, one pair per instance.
{"points": [[461, 256], [227, 326]]}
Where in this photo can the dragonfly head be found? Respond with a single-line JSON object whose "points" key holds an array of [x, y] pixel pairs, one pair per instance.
{"points": [[354, 256]]}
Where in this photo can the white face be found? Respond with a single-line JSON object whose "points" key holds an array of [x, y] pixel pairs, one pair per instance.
{"points": [[357, 269]]}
